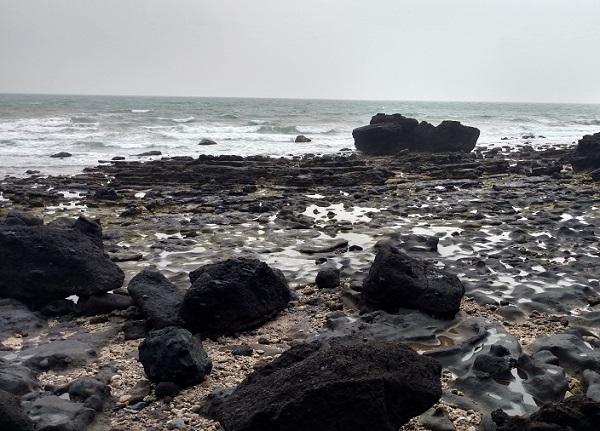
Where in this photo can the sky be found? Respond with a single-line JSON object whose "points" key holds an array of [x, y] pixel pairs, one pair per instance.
{"points": [[439, 50]]}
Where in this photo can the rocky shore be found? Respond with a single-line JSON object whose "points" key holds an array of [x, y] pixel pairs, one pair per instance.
{"points": [[507, 236]]}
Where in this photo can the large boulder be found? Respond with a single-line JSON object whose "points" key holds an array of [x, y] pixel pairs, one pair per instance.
{"points": [[344, 384], [397, 280], [390, 134], [158, 298], [41, 263], [233, 295], [385, 135], [173, 355], [586, 157], [448, 136], [12, 416]]}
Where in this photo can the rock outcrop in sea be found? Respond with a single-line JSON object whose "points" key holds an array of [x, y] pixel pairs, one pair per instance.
{"points": [[391, 134]]}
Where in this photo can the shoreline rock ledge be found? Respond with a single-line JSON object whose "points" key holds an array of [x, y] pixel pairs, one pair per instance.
{"points": [[390, 134]]}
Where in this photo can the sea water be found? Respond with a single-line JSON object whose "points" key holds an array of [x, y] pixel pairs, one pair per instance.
{"points": [[94, 128]]}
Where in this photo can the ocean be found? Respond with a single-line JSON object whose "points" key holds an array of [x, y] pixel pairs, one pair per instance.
{"points": [[96, 128]]}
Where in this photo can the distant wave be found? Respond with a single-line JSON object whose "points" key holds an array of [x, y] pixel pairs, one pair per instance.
{"points": [[588, 122], [83, 120], [183, 120], [321, 130], [141, 111], [229, 116], [90, 144], [278, 129]]}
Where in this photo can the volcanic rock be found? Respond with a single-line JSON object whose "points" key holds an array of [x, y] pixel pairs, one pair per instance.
{"points": [[391, 134], [302, 138], [586, 156], [12, 416], [173, 355], [157, 297], [61, 155], [49, 412], [233, 295], [342, 384], [46, 262], [398, 280], [448, 136], [574, 413], [328, 278], [17, 379]]}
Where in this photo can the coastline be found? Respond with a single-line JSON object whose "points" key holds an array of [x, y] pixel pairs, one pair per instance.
{"points": [[515, 231]]}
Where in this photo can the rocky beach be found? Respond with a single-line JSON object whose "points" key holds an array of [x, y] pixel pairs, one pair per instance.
{"points": [[303, 279]]}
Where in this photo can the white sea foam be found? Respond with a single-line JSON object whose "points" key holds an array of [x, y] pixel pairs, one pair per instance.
{"points": [[92, 128], [183, 120]]}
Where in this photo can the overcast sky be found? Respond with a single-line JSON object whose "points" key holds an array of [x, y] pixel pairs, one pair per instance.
{"points": [[459, 50]]}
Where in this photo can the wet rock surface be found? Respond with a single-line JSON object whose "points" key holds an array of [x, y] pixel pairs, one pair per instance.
{"points": [[518, 229]]}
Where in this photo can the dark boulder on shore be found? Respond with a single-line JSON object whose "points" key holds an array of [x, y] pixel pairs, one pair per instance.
{"points": [[397, 280], [158, 298], [40, 263], [12, 416], [390, 134], [233, 295], [173, 355], [347, 384], [586, 157]]}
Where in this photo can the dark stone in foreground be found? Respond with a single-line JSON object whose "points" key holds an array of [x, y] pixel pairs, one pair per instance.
{"points": [[17, 379], [586, 157], [40, 263], [347, 385], [574, 413], [49, 412], [233, 295], [157, 297], [398, 280], [173, 355], [12, 416], [328, 278]]}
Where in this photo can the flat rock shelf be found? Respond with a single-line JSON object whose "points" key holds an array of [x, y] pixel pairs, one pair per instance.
{"points": [[517, 228]]}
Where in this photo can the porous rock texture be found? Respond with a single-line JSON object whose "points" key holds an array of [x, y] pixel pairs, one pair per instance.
{"points": [[173, 355], [398, 280], [41, 263], [233, 295], [347, 384]]}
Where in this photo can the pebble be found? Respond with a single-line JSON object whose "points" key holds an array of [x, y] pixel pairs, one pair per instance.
{"points": [[176, 424]]}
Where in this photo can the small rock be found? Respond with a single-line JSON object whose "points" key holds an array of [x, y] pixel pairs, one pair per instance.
{"points": [[176, 424], [61, 155]]}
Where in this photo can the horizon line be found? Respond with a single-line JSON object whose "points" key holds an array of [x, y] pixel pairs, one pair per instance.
{"points": [[292, 98]]}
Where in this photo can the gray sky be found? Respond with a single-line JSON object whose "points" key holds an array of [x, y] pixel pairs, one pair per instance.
{"points": [[488, 50]]}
